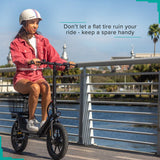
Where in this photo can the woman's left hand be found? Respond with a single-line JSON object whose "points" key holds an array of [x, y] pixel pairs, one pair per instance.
{"points": [[72, 65]]}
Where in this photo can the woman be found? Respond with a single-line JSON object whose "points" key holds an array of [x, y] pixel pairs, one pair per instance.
{"points": [[28, 46]]}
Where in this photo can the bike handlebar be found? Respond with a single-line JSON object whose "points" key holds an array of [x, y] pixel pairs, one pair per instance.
{"points": [[67, 65]]}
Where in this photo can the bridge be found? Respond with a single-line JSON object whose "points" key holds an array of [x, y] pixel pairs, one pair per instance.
{"points": [[98, 123]]}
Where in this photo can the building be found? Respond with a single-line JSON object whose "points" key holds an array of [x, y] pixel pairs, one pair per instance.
{"points": [[121, 68], [64, 53], [146, 55], [9, 59]]}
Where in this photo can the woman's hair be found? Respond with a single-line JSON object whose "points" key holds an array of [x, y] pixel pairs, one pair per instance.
{"points": [[23, 34]]}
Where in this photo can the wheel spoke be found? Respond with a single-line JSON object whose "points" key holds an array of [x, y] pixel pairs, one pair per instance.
{"points": [[55, 149], [59, 148]]}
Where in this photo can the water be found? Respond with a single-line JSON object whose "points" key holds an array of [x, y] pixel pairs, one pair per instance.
{"points": [[108, 125], [127, 127]]}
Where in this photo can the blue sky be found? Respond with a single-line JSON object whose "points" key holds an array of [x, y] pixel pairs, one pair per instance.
{"points": [[83, 48]]}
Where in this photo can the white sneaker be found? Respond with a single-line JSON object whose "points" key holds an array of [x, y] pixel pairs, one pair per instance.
{"points": [[31, 126], [42, 123], [36, 121]]}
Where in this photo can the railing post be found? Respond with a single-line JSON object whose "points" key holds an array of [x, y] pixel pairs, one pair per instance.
{"points": [[90, 111], [82, 81], [158, 125], [85, 115]]}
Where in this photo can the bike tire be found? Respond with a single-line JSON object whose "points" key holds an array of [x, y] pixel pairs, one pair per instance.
{"points": [[19, 139], [58, 146]]}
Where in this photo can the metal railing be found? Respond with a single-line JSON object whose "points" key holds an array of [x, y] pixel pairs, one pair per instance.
{"points": [[102, 121]]}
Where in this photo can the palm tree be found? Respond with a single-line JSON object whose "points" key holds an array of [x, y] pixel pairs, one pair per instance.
{"points": [[154, 32]]}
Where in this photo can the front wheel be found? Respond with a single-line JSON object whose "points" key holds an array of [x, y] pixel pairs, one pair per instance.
{"points": [[19, 139], [57, 141]]}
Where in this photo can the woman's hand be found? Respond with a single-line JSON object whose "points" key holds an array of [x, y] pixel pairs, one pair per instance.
{"points": [[72, 65], [35, 61]]}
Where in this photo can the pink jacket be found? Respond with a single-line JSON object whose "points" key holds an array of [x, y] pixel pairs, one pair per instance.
{"points": [[21, 53]]}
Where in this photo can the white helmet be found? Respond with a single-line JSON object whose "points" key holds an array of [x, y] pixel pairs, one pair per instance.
{"points": [[29, 14]]}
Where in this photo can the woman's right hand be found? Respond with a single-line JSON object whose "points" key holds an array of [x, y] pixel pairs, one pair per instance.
{"points": [[36, 61]]}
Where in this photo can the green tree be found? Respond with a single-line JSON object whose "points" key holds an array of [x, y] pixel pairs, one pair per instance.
{"points": [[7, 75], [140, 78], [144, 78], [154, 32], [72, 79]]}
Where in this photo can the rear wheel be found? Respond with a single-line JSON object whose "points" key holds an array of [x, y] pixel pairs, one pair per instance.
{"points": [[58, 144], [19, 139]]}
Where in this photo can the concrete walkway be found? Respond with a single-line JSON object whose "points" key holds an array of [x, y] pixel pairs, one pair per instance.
{"points": [[36, 150]]}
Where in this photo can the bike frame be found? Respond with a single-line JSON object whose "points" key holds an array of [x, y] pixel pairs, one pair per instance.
{"points": [[55, 115]]}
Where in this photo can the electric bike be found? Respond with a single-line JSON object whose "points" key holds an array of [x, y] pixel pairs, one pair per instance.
{"points": [[53, 130]]}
